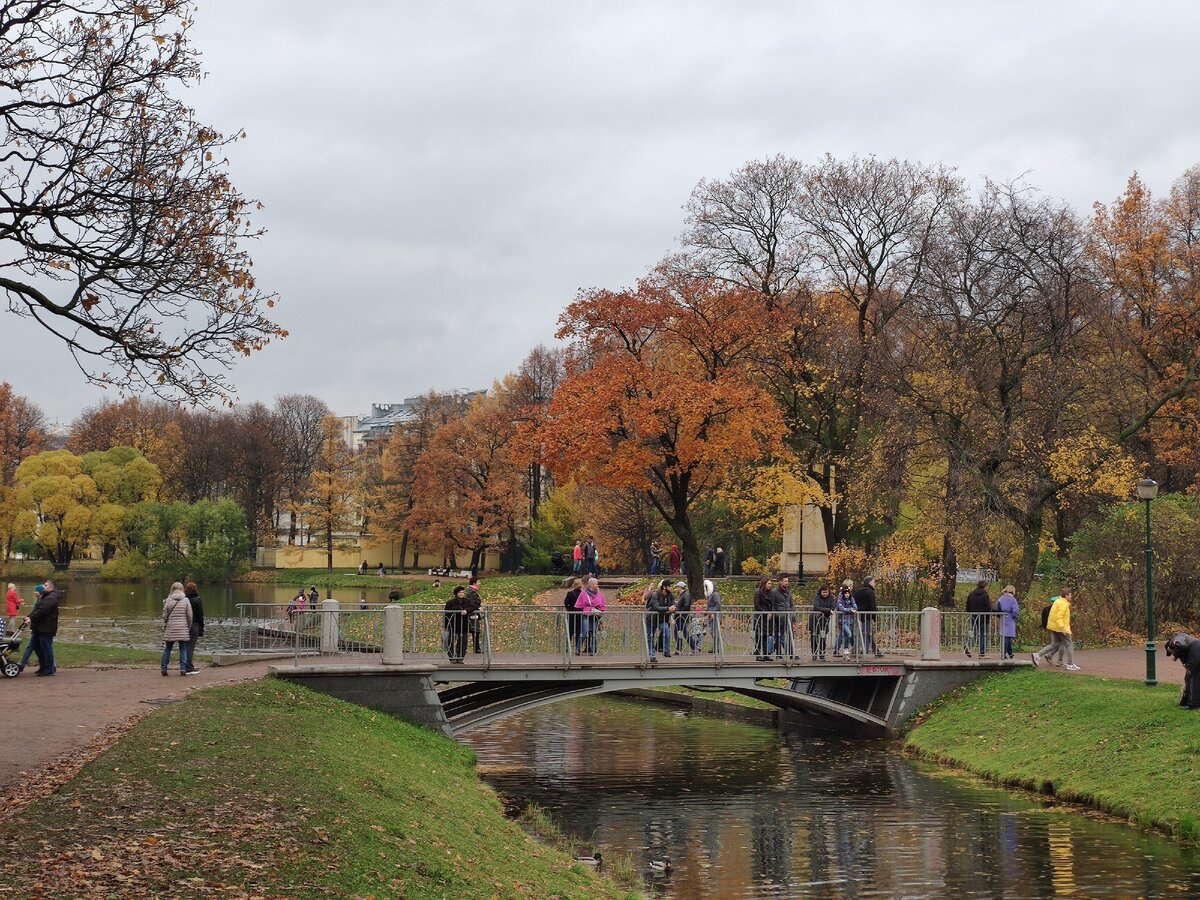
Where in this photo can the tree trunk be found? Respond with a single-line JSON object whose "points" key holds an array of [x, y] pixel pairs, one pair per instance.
{"points": [[329, 547], [1030, 551], [291, 527], [404, 549], [949, 579]]}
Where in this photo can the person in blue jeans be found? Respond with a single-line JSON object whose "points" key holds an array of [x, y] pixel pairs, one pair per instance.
{"points": [[38, 592], [43, 622], [177, 629], [979, 602], [660, 604], [847, 613], [590, 604]]}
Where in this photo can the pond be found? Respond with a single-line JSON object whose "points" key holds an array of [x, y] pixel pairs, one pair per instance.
{"points": [[743, 811]]}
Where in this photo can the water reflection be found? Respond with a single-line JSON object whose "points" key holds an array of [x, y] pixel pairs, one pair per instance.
{"points": [[744, 812]]}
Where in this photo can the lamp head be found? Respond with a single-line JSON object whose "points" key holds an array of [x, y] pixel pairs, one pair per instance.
{"points": [[1147, 489]]}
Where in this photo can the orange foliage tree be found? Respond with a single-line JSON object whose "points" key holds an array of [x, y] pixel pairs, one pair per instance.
{"points": [[468, 490], [659, 395]]}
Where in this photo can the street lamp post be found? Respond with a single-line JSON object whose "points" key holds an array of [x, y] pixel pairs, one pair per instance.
{"points": [[1147, 490]]}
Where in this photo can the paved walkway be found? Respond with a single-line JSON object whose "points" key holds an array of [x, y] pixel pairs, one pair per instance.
{"points": [[1122, 662]]}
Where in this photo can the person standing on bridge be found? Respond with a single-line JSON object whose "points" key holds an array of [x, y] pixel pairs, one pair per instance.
{"points": [[819, 621], [712, 608], [979, 602], [783, 607], [590, 604], [573, 615], [474, 605], [868, 606], [1010, 608], [455, 624], [660, 604], [683, 619], [764, 643], [847, 611]]}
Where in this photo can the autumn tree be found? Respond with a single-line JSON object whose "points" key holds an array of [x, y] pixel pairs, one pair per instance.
{"points": [[122, 234], [468, 488], [22, 431], [152, 427], [328, 506], [300, 431], [659, 395], [58, 500]]}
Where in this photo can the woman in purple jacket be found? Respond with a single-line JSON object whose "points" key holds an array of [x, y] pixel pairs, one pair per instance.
{"points": [[1007, 604]]}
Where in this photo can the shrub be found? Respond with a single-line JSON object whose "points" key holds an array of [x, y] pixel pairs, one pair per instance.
{"points": [[133, 566]]}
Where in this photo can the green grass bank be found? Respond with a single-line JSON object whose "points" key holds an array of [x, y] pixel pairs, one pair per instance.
{"points": [[1116, 746], [268, 789]]}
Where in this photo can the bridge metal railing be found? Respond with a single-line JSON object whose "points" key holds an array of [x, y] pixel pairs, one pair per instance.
{"points": [[976, 634]]}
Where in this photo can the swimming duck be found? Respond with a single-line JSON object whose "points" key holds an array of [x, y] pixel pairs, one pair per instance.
{"points": [[660, 865]]}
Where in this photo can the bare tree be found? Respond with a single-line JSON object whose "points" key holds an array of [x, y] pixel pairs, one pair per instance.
{"points": [[121, 231], [299, 433]]}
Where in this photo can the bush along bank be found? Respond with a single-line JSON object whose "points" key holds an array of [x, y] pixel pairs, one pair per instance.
{"points": [[1116, 746], [268, 789]]}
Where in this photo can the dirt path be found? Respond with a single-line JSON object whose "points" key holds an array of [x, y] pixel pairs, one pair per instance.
{"points": [[52, 720], [1123, 662]]}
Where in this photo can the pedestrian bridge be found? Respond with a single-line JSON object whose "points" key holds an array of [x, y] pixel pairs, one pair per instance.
{"points": [[864, 674]]}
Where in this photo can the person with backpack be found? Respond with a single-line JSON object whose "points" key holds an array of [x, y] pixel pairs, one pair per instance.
{"points": [[1058, 623], [1008, 605]]}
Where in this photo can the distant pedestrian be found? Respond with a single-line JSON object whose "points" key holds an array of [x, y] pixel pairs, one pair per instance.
{"points": [[590, 604], [1010, 608], [474, 611], [847, 611], [819, 621], [177, 627], [674, 560], [362, 567], [12, 603], [577, 556], [196, 630], [712, 608], [43, 626], [684, 627], [589, 557], [764, 642], [655, 558], [573, 614], [1058, 623], [868, 608], [979, 602], [1186, 649], [710, 559], [782, 606], [382, 571], [314, 597], [719, 564], [455, 621]]}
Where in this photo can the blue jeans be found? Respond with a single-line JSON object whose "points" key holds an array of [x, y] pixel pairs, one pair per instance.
{"points": [[184, 656], [586, 636], [655, 562], [43, 646], [845, 636], [658, 632]]}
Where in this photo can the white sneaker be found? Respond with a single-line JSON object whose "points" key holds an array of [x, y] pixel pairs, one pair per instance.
{"points": [[1072, 668]]}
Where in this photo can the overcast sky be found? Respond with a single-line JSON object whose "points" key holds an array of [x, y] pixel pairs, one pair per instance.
{"points": [[441, 178]]}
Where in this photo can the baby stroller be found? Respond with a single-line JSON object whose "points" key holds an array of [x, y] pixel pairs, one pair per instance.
{"points": [[10, 643]]}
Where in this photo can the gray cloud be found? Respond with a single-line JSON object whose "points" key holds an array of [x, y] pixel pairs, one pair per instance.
{"points": [[440, 179]]}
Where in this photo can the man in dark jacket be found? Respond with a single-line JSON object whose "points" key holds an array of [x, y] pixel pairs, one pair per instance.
{"points": [[474, 604], [1186, 649], [782, 606], [979, 601], [818, 621], [43, 623], [683, 618], [196, 631], [868, 606], [660, 603]]}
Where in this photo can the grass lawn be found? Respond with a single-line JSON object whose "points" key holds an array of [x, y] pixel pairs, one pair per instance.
{"points": [[501, 590], [273, 790], [1115, 745], [67, 655]]}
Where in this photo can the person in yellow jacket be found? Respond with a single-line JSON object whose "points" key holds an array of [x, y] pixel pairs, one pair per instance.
{"points": [[1059, 626]]}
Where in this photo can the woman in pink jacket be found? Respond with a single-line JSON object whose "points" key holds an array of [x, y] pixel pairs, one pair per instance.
{"points": [[590, 604]]}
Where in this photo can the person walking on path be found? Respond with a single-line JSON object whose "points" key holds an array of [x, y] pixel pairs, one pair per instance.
{"points": [[978, 601], [818, 622], [1186, 649], [764, 645], [573, 614], [589, 557], [655, 558], [868, 606], [783, 607], [577, 556], [455, 621], [712, 607], [590, 604], [674, 560], [847, 611], [1010, 609], [38, 593], [177, 629], [1059, 625], [12, 603], [197, 627], [43, 623], [474, 616]]}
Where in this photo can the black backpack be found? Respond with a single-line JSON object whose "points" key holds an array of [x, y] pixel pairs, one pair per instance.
{"points": [[1046, 615]]}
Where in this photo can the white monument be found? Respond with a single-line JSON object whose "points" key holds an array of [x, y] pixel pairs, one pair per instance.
{"points": [[804, 535]]}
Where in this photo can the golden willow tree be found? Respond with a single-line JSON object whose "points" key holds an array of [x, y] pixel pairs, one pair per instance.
{"points": [[659, 395], [120, 231], [328, 506]]}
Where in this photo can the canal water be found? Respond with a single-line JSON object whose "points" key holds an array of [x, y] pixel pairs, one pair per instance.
{"points": [[742, 811], [120, 614]]}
